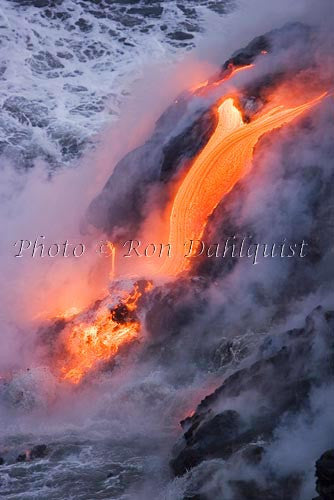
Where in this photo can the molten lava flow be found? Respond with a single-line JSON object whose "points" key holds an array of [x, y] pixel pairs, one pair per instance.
{"points": [[112, 250], [98, 334], [207, 85], [90, 341], [222, 162]]}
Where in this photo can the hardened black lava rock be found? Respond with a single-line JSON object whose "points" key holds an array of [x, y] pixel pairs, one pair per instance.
{"points": [[325, 476], [288, 369], [39, 451]]}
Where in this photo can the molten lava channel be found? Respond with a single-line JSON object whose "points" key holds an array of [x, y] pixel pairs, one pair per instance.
{"points": [[219, 166]]}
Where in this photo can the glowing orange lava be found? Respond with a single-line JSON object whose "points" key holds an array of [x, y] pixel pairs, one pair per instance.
{"points": [[222, 162], [99, 338], [112, 249], [207, 86]]}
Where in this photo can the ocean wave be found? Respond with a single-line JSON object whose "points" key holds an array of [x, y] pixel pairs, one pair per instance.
{"points": [[67, 65]]}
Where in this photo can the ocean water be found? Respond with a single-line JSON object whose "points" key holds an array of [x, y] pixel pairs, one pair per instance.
{"points": [[111, 438], [66, 66]]}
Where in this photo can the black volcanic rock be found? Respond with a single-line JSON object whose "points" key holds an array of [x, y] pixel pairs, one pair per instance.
{"points": [[22, 457], [38, 451], [121, 204], [281, 383], [325, 476], [248, 54], [253, 454], [187, 144], [279, 38], [122, 314], [216, 437]]}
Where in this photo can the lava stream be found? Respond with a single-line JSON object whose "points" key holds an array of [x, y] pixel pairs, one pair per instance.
{"points": [[220, 165], [99, 338], [206, 86], [223, 161]]}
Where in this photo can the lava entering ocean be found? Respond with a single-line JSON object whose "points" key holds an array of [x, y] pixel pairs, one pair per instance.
{"points": [[96, 336]]}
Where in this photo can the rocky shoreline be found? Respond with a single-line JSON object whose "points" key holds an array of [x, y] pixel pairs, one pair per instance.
{"points": [[274, 390]]}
